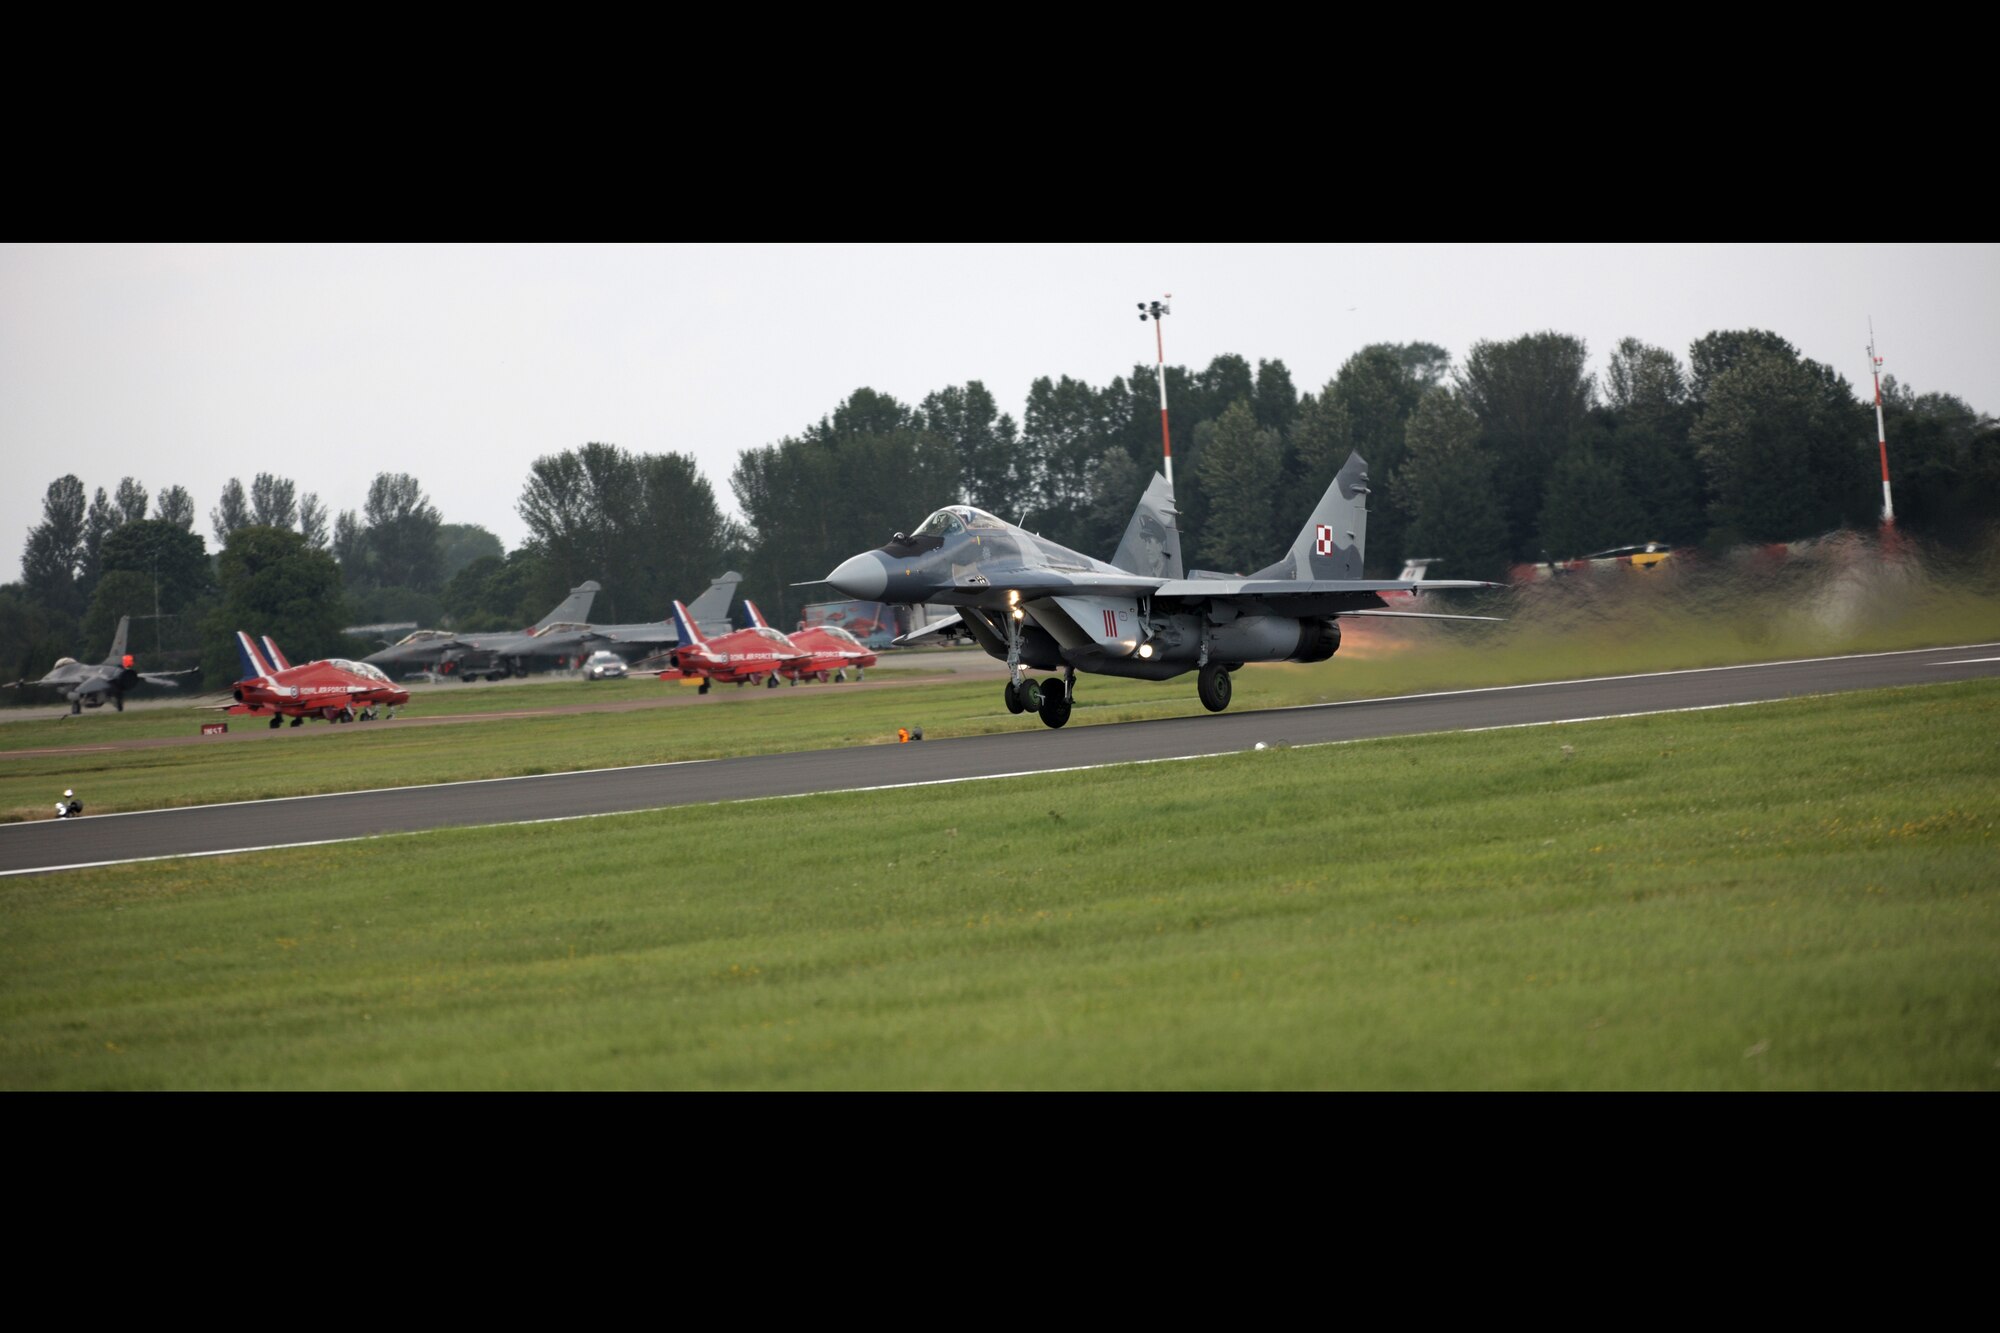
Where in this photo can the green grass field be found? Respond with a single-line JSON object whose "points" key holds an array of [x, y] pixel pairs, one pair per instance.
{"points": [[1796, 895]]}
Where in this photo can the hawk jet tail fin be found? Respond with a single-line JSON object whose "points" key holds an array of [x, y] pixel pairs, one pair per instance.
{"points": [[1331, 543], [1152, 543], [684, 626], [575, 608], [116, 657], [757, 620], [713, 606], [275, 654], [254, 666]]}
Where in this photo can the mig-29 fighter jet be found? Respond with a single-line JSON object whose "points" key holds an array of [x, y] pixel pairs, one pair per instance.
{"points": [[88, 686], [1036, 604]]}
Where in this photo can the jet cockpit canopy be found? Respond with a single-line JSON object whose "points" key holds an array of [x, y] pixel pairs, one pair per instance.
{"points": [[958, 518]]}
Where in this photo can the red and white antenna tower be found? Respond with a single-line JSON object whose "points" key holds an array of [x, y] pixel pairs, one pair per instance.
{"points": [[1157, 311], [1881, 435]]}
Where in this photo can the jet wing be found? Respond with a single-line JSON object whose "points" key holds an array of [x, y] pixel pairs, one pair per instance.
{"points": [[1304, 597], [989, 586], [1227, 587]]}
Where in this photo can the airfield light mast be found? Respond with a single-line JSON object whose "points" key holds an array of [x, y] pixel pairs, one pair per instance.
{"points": [[1157, 311], [1881, 435]]}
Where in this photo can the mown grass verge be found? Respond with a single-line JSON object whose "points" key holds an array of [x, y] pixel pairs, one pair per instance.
{"points": [[1796, 895]]}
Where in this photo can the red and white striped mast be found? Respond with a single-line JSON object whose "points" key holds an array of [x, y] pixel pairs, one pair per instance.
{"points": [[1881, 435], [1157, 311]]}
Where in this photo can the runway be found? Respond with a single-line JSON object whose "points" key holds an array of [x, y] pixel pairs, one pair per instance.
{"points": [[48, 845]]}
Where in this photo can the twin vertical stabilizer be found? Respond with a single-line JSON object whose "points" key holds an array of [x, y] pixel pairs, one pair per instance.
{"points": [[1152, 543], [1331, 543]]}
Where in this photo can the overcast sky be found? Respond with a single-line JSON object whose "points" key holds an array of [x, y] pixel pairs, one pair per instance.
{"points": [[191, 364]]}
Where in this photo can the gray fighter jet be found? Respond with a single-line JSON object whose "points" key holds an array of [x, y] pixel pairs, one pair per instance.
{"points": [[471, 655], [1036, 604], [88, 686], [631, 642]]}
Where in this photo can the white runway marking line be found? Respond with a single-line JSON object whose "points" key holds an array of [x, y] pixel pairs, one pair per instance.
{"points": [[1653, 675], [1967, 661]]}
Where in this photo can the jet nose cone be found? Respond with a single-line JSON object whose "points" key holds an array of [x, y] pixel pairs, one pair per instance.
{"points": [[863, 577]]}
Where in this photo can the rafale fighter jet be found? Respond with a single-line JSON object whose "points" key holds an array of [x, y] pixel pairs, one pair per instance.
{"points": [[471, 655], [1036, 604], [710, 613], [87, 686]]}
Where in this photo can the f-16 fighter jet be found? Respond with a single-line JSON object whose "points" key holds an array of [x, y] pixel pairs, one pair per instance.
{"points": [[828, 648], [1036, 604], [88, 686]]}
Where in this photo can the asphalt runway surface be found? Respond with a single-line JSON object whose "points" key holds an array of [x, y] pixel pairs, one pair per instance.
{"points": [[212, 830]]}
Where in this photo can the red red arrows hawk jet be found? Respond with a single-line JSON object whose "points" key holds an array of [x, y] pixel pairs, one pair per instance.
{"points": [[745, 656], [333, 687], [827, 648]]}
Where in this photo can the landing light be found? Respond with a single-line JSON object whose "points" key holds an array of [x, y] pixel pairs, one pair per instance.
{"points": [[1013, 597], [1019, 614], [1145, 650]]}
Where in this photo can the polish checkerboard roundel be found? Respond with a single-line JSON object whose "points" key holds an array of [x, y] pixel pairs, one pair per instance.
{"points": [[1323, 541]]}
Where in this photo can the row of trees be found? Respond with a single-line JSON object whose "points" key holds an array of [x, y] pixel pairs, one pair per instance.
{"points": [[1515, 453], [276, 570]]}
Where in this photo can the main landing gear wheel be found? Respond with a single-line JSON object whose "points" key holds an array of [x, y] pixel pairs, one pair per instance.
{"points": [[118, 702], [1213, 687], [702, 688], [1013, 698], [276, 721], [1055, 703], [771, 681]]}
